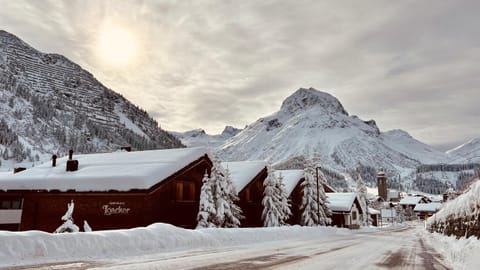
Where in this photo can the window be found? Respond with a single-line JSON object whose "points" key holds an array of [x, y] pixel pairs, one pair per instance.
{"points": [[11, 204], [354, 215], [185, 191], [247, 195]]}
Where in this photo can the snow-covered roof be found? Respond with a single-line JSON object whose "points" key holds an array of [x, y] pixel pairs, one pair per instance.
{"points": [[120, 171], [372, 211], [341, 202], [291, 178], [388, 213], [410, 200], [393, 194], [242, 172], [427, 207]]}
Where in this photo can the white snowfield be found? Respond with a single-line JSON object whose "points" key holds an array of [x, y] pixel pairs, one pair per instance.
{"points": [[162, 246], [120, 171]]}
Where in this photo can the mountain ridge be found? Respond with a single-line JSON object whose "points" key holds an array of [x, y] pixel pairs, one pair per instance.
{"points": [[51, 104]]}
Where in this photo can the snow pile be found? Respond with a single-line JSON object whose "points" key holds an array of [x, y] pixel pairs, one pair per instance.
{"points": [[34, 247], [459, 253]]}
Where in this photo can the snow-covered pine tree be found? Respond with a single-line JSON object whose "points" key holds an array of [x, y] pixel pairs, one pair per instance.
{"points": [[362, 197], [206, 212], [312, 214], [272, 214], [228, 214], [234, 215], [68, 225], [283, 200]]}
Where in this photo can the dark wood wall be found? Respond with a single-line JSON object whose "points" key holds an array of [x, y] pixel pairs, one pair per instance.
{"points": [[296, 198], [251, 201]]}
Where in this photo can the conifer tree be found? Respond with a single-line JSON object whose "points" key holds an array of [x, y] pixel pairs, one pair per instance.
{"points": [[228, 214], [206, 213], [271, 215], [314, 213], [283, 200]]}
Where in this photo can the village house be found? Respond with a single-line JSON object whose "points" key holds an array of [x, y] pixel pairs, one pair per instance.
{"points": [[408, 204], [374, 216], [248, 178], [110, 190], [426, 210], [346, 209]]}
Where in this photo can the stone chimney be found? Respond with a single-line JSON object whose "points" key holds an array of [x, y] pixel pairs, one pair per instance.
{"points": [[382, 184], [54, 161], [72, 165]]}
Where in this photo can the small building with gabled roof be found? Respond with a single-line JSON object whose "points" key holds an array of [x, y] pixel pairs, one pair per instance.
{"points": [[346, 209], [247, 178], [110, 190], [426, 210]]}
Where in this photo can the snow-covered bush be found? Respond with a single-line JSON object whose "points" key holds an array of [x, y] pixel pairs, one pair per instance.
{"points": [[68, 225]]}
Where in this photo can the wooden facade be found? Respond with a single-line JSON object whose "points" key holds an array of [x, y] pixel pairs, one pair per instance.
{"points": [[173, 200], [251, 201]]}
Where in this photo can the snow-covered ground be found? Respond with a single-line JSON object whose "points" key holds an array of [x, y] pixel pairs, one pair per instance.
{"points": [[162, 246]]}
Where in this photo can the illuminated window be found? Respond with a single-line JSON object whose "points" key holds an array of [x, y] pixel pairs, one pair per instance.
{"points": [[185, 191]]}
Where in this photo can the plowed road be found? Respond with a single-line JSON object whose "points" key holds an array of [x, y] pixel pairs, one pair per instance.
{"points": [[400, 249]]}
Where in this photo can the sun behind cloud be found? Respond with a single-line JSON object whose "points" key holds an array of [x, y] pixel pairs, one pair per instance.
{"points": [[117, 46]]}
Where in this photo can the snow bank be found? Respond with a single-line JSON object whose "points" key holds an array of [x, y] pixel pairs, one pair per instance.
{"points": [[34, 247], [459, 253], [465, 205]]}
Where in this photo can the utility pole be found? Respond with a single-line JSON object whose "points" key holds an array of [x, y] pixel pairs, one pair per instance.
{"points": [[318, 198]]}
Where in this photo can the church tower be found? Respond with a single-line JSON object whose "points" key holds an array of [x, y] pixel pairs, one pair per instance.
{"points": [[382, 184]]}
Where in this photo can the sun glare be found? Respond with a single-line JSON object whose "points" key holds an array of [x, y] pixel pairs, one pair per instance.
{"points": [[117, 46]]}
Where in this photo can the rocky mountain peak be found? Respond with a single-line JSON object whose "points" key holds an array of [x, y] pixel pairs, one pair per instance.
{"points": [[305, 98], [230, 131]]}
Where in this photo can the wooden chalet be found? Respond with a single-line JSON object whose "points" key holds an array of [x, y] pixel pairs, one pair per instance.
{"points": [[111, 190], [248, 178], [346, 209]]}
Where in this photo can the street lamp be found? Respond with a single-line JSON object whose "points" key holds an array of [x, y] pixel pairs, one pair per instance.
{"points": [[318, 198]]}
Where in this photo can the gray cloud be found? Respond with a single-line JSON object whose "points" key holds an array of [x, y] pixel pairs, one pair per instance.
{"points": [[407, 64]]}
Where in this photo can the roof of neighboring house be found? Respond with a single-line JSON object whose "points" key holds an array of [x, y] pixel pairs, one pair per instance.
{"points": [[428, 207], [372, 211], [341, 202], [392, 194], [411, 200], [243, 172], [291, 178], [121, 171], [388, 213]]}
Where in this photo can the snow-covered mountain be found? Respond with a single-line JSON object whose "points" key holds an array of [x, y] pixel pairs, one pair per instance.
{"points": [[311, 120], [468, 152], [48, 104], [198, 137]]}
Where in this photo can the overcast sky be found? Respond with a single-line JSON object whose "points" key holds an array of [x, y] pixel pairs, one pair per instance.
{"points": [[413, 65]]}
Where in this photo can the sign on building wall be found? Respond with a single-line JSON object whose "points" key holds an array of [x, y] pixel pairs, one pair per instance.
{"points": [[115, 208]]}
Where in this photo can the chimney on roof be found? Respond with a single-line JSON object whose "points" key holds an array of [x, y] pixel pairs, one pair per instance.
{"points": [[126, 148], [72, 165], [18, 169], [54, 161]]}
